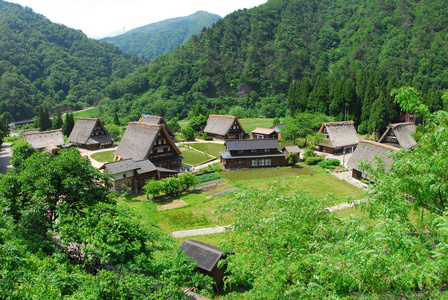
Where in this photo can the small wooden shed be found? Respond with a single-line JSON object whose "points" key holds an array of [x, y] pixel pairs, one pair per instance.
{"points": [[206, 257]]}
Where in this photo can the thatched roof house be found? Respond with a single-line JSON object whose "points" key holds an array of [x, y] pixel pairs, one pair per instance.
{"points": [[90, 133], [206, 257], [264, 133], [50, 140], [252, 153], [339, 136], [367, 151], [141, 141], [399, 135], [224, 127], [156, 120]]}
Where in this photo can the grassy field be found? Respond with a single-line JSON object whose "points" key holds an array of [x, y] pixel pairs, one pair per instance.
{"points": [[194, 158], [201, 205], [248, 124], [267, 173], [105, 156], [210, 148], [252, 123], [91, 113]]}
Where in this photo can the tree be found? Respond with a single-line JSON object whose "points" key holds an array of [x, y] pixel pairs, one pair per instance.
{"points": [[116, 119], [114, 131], [197, 123], [188, 133], [68, 125], [43, 121], [174, 124], [57, 121], [21, 151]]}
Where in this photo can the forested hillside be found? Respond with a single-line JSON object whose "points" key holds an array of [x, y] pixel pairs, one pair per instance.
{"points": [[46, 63], [162, 37], [367, 46]]}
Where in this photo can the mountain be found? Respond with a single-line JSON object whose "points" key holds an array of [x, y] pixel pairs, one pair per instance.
{"points": [[348, 51], [162, 37], [51, 64]]}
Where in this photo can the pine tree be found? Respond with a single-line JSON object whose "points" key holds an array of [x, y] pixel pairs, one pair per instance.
{"points": [[116, 119], [68, 124], [57, 121]]}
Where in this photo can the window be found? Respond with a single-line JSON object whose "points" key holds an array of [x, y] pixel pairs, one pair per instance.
{"points": [[240, 151], [253, 150], [124, 175], [267, 150], [160, 150], [262, 162]]}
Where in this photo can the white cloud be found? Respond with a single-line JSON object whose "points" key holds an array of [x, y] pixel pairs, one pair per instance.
{"points": [[100, 17]]}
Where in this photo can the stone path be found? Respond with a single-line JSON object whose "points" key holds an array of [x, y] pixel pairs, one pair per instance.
{"points": [[201, 231]]}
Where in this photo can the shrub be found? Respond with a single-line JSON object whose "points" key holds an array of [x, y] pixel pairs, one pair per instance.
{"points": [[292, 159], [313, 160], [329, 163]]}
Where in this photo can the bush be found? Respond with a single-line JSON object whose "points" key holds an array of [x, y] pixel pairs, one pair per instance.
{"points": [[313, 160], [208, 138], [292, 159], [329, 163]]}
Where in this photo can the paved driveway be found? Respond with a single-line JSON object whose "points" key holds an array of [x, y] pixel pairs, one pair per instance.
{"points": [[5, 157]]}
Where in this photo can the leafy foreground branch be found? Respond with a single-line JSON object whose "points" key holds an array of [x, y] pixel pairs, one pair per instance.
{"points": [[290, 247], [63, 236]]}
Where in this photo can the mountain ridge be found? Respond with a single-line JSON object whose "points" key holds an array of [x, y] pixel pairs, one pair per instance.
{"points": [[154, 39]]}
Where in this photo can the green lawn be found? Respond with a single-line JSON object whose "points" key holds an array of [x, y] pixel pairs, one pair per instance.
{"points": [[267, 173], [200, 209], [252, 123], [105, 156], [91, 113], [193, 157], [210, 148]]}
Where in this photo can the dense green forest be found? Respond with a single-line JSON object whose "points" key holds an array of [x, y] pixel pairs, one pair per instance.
{"points": [[162, 37], [42, 63], [344, 56]]}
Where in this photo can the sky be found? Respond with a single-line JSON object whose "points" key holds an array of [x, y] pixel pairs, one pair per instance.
{"points": [[98, 18]]}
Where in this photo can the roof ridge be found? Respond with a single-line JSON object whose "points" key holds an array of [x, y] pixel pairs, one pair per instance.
{"points": [[222, 116], [383, 145], [43, 132]]}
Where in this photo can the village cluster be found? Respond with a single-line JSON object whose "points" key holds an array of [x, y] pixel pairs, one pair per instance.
{"points": [[148, 150]]}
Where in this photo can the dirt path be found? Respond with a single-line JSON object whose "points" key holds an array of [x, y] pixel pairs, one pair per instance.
{"points": [[5, 157]]}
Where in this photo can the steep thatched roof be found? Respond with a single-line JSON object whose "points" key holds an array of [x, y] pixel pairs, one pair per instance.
{"points": [[367, 150], [399, 135], [45, 139], [139, 139], [155, 120], [252, 144], [82, 132], [206, 256], [220, 124], [340, 134]]}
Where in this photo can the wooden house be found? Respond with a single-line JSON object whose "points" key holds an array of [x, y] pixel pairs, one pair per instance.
{"points": [[399, 135], [338, 137], [90, 133], [367, 151], [206, 257], [155, 120], [134, 174], [252, 153], [264, 133], [50, 141], [291, 149], [142, 141], [224, 127]]}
